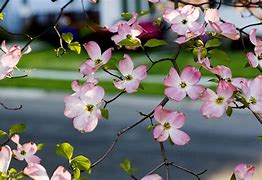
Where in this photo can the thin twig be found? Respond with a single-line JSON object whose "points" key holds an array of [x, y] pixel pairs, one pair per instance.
{"points": [[4, 5], [113, 99], [164, 157], [8, 108], [123, 131]]}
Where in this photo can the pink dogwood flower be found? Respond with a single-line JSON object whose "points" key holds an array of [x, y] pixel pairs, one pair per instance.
{"points": [[253, 94], [26, 151], [183, 19], [114, 28], [131, 77], [177, 87], [37, 171], [215, 104], [154, 1], [152, 177], [168, 125], [5, 158], [125, 31], [212, 15], [10, 59], [83, 107], [244, 172], [97, 59]]}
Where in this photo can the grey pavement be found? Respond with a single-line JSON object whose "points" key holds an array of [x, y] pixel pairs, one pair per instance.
{"points": [[216, 144]]}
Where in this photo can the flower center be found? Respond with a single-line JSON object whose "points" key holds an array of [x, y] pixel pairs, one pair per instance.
{"points": [[98, 61], [90, 107], [128, 77], [184, 21], [128, 36], [259, 57], [220, 100], [23, 153], [252, 100], [183, 84], [167, 126]]}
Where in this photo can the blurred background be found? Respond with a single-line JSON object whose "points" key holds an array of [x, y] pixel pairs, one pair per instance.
{"points": [[217, 145]]}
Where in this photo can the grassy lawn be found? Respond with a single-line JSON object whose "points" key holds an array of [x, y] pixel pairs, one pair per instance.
{"points": [[60, 85]]}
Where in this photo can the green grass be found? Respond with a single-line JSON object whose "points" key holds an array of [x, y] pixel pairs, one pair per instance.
{"points": [[61, 85]]}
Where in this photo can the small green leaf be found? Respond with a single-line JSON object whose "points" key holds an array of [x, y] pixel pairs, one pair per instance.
{"points": [[82, 163], [65, 150], [2, 16], [229, 111], [144, 12], [213, 43], [126, 15], [260, 138], [155, 43], [129, 42], [60, 51], [219, 55], [2, 134], [158, 21], [17, 128], [75, 46], [111, 65], [76, 173], [40, 146], [149, 128], [67, 37], [214, 80], [126, 166], [233, 177], [104, 113], [141, 86]]}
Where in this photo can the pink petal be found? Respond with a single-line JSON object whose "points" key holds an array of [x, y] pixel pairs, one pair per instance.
{"points": [[94, 95], [61, 174], [131, 86], [208, 95], [170, 14], [36, 171], [84, 123], [179, 137], [212, 110], [75, 85], [126, 65], [73, 106], [152, 177], [87, 68], [244, 172], [140, 72], [223, 71], [179, 28], [5, 158], [15, 138], [190, 75], [212, 15], [176, 119], [172, 78], [3, 46], [161, 114], [106, 55], [256, 87], [194, 92], [160, 134], [253, 38], [93, 50], [225, 89], [32, 159], [175, 93]]}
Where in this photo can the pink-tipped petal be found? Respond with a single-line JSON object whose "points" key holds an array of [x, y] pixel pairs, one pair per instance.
{"points": [[140, 72], [152, 177], [177, 119], [179, 137], [126, 65], [194, 92], [36, 171], [160, 134], [61, 174], [93, 50], [5, 158], [175, 93], [190, 75]]}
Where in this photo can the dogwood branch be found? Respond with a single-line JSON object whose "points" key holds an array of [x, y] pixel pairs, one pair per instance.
{"points": [[8, 108]]}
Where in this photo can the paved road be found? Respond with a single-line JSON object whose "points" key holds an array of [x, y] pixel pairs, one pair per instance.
{"points": [[216, 144]]}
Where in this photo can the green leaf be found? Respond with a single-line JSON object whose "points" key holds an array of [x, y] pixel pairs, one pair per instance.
{"points": [[40, 146], [2, 134], [229, 111], [75, 46], [104, 113], [17, 128], [260, 138], [158, 21], [76, 173], [129, 42], [2, 16], [233, 177], [60, 51], [155, 43], [126, 15], [126, 166], [82, 163], [219, 55], [149, 127], [67, 37], [213, 43], [65, 150], [144, 12], [111, 65], [214, 80]]}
